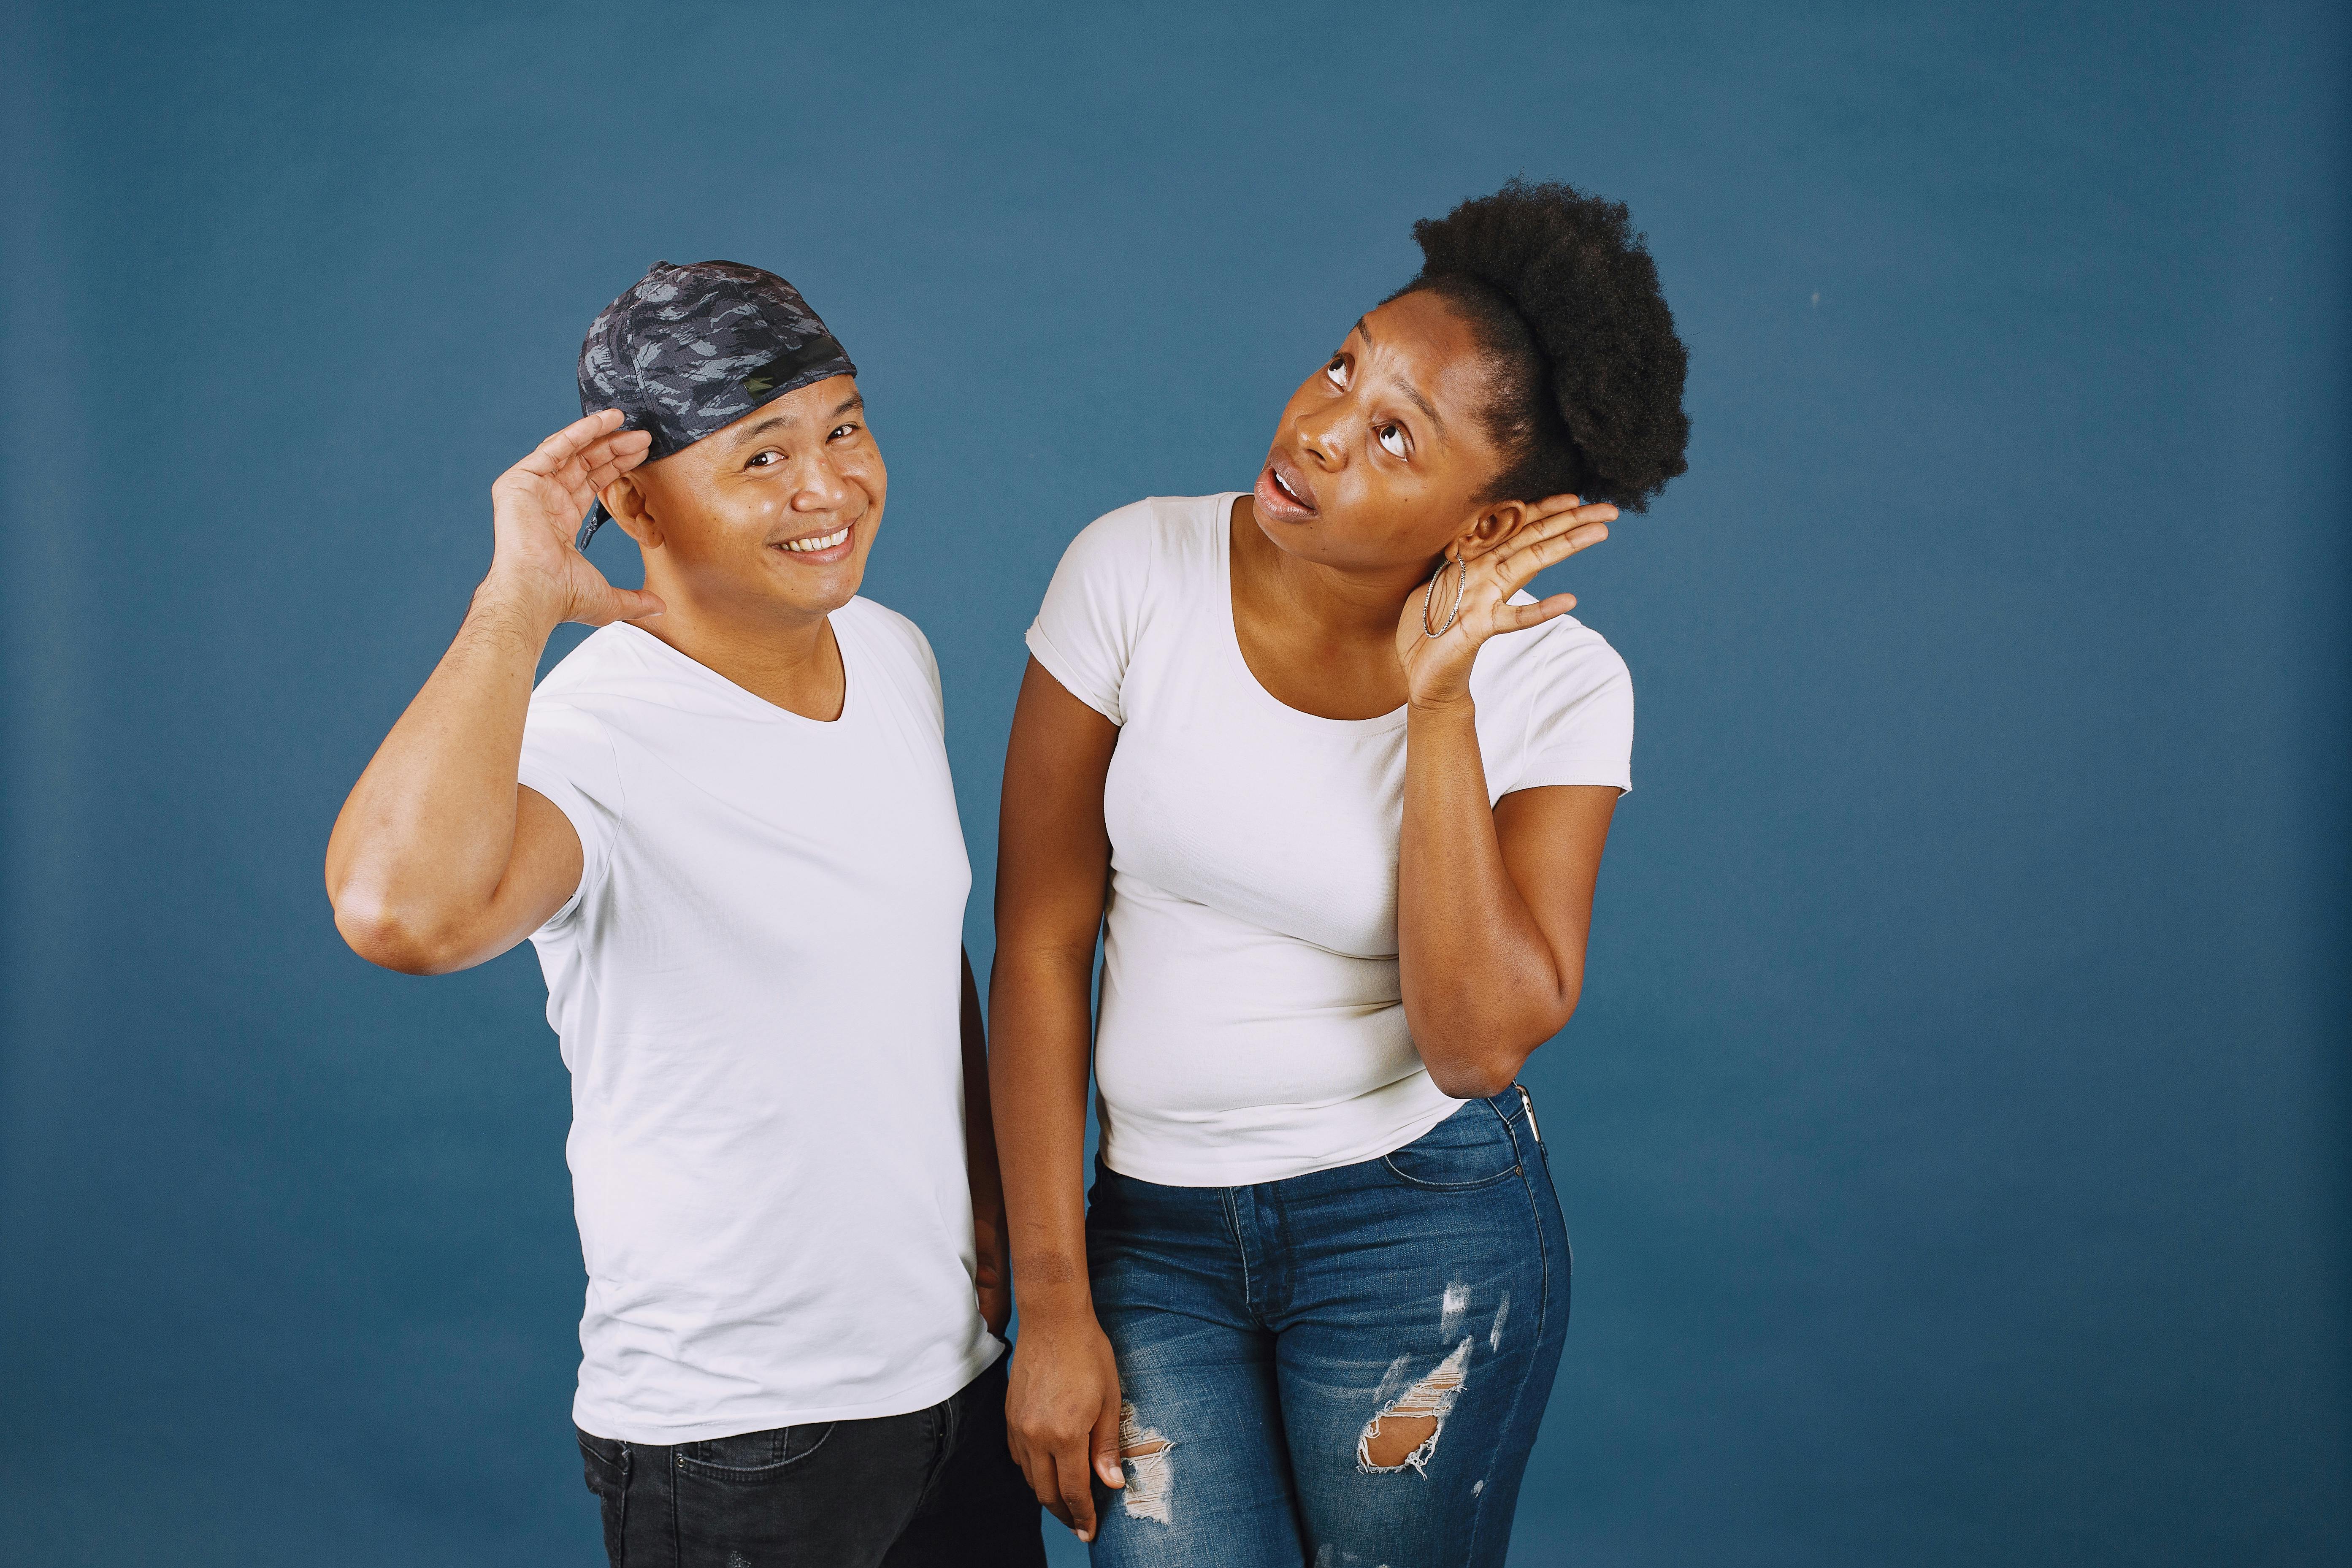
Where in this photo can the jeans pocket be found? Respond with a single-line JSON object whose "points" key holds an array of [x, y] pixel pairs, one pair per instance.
{"points": [[750, 1457], [604, 1464], [1471, 1149]]}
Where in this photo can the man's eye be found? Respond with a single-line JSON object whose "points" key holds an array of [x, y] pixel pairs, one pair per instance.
{"points": [[1336, 373], [841, 430], [1392, 439]]}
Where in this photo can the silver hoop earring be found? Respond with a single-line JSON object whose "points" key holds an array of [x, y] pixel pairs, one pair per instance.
{"points": [[1461, 581]]}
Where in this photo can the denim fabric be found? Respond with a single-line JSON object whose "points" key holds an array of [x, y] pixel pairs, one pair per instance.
{"points": [[928, 1489], [1261, 1330]]}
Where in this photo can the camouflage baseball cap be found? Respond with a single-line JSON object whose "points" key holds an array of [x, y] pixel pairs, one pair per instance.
{"points": [[690, 350]]}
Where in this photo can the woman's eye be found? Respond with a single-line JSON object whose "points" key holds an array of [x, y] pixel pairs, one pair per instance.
{"points": [[1392, 439], [1336, 373]]}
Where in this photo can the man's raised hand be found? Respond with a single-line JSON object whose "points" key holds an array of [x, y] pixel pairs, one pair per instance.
{"points": [[536, 507]]}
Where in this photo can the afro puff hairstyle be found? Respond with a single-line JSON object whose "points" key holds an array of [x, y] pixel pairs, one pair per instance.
{"points": [[1562, 294]]}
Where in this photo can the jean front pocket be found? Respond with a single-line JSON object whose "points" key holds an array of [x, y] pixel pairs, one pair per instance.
{"points": [[605, 1466], [1471, 1149], [753, 1457]]}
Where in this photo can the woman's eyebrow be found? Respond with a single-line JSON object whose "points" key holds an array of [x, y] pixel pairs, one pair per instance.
{"points": [[1411, 392]]}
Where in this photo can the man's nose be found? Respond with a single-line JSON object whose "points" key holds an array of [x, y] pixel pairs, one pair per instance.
{"points": [[822, 487]]}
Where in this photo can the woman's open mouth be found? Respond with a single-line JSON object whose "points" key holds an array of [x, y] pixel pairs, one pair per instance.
{"points": [[1283, 492]]}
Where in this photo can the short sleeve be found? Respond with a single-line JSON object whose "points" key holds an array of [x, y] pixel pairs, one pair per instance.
{"points": [[915, 666], [1581, 719], [930, 663], [568, 757], [1085, 631]]}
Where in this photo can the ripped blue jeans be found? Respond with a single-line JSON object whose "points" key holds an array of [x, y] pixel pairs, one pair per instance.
{"points": [[1344, 1367]]}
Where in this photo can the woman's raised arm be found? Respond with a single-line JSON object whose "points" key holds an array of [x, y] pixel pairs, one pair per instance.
{"points": [[1493, 906]]}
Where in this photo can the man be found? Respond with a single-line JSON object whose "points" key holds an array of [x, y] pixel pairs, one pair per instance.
{"points": [[726, 823]]}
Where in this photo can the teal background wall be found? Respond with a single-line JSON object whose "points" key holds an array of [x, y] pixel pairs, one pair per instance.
{"points": [[1954, 1133]]}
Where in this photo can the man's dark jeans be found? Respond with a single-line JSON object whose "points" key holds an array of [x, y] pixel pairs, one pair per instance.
{"points": [[934, 1487]]}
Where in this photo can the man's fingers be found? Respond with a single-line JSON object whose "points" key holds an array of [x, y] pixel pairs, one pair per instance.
{"points": [[600, 463], [613, 467], [639, 604], [557, 449]]}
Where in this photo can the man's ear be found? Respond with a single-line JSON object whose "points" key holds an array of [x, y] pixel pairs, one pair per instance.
{"points": [[631, 510], [1492, 525]]}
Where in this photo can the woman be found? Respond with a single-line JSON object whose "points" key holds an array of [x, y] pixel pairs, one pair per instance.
{"points": [[1341, 791]]}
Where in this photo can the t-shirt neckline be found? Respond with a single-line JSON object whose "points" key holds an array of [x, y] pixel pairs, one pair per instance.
{"points": [[1393, 720], [759, 706]]}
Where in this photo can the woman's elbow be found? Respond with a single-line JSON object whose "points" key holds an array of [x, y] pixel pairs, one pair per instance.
{"points": [[1459, 1081], [1488, 1061]]}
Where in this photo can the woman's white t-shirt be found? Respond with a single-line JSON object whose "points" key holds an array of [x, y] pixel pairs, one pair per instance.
{"points": [[758, 987], [1253, 1024]]}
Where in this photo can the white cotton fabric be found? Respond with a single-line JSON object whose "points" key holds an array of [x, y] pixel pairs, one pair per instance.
{"points": [[757, 989], [1252, 1021]]}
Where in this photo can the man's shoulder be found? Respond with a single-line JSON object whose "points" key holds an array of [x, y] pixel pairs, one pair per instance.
{"points": [[604, 661], [901, 647], [884, 623]]}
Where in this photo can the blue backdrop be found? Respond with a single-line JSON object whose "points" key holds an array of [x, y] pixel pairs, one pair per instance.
{"points": [[1954, 1132]]}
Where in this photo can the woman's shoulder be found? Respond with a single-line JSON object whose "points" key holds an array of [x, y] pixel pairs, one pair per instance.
{"points": [[1142, 538]]}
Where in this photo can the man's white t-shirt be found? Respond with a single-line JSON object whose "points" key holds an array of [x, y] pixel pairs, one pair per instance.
{"points": [[1252, 1022], [757, 988]]}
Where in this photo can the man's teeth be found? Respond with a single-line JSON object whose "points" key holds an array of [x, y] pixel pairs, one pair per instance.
{"points": [[827, 542]]}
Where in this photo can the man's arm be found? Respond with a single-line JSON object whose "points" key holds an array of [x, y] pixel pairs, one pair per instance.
{"points": [[439, 860]]}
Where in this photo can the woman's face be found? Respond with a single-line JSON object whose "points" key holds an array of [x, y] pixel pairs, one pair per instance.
{"points": [[1383, 455]]}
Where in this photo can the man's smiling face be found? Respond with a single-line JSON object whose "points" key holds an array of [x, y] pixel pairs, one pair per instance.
{"points": [[777, 509]]}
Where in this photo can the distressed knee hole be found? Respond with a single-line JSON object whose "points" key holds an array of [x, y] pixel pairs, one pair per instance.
{"points": [[1143, 1455], [1406, 1429]]}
